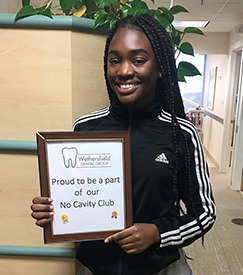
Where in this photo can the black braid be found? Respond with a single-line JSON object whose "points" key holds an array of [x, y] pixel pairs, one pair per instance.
{"points": [[167, 88], [165, 48]]}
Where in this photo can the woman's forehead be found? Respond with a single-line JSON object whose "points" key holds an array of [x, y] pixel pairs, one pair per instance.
{"points": [[130, 38]]}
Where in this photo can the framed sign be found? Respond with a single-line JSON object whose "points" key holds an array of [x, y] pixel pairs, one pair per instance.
{"points": [[88, 176], [211, 87]]}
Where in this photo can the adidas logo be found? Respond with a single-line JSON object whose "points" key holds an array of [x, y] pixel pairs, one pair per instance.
{"points": [[162, 158]]}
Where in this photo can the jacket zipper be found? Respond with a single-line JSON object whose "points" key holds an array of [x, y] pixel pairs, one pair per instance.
{"points": [[119, 269], [130, 122]]}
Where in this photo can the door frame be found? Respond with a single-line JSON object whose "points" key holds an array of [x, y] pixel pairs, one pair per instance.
{"points": [[235, 83], [233, 72], [237, 156]]}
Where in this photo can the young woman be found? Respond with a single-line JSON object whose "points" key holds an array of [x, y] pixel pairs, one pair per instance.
{"points": [[168, 163]]}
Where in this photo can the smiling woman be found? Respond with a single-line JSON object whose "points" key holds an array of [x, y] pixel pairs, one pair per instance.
{"points": [[167, 160]]}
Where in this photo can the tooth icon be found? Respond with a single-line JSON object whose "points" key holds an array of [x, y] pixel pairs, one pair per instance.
{"points": [[69, 156]]}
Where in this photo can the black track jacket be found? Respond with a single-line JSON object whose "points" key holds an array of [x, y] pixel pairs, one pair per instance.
{"points": [[152, 192]]}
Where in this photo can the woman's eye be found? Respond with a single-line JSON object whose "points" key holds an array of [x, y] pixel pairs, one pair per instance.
{"points": [[114, 61], [139, 61]]}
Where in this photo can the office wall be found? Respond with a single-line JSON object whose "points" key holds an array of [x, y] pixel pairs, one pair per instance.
{"points": [[40, 92], [213, 126], [210, 42], [235, 37], [36, 82], [88, 87], [216, 48]]}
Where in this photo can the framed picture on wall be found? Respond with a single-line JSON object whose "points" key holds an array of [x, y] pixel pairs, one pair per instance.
{"points": [[211, 87]]}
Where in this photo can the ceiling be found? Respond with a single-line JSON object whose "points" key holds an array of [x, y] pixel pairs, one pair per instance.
{"points": [[224, 15]]}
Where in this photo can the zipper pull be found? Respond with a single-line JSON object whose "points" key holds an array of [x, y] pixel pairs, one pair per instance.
{"points": [[130, 122]]}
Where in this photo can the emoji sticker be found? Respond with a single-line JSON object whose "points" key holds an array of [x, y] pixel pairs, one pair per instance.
{"points": [[64, 218], [114, 214]]}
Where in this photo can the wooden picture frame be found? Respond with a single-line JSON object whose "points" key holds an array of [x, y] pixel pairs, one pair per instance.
{"points": [[88, 176]]}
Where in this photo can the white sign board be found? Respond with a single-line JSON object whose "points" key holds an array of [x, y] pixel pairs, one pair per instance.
{"points": [[88, 177]]}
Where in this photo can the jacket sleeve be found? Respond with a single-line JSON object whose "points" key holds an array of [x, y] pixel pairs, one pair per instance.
{"points": [[199, 210]]}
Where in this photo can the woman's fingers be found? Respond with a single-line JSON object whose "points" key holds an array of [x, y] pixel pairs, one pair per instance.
{"points": [[42, 210], [42, 222], [136, 238], [42, 200], [42, 215]]}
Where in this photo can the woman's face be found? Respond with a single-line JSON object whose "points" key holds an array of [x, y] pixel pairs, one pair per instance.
{"points": [[131, 68]]}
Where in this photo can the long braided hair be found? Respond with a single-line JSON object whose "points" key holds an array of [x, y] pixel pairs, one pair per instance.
{"points": [[167, 87]]}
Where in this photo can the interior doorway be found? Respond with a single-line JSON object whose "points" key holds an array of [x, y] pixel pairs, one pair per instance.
{"points": [[236, 156]]}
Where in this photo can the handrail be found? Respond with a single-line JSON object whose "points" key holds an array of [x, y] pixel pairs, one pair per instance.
{"points": [[37, 251], [18, 145], [191, 102], [58, 22], [214, 116]]}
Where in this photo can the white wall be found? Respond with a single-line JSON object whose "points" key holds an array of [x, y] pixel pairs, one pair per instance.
{"points": [[212, 128], [216, 48], [235, 37], [219, 61], [210, 43]]}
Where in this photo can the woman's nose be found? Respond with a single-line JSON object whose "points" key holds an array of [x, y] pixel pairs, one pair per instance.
{"points": [[125, 69]]}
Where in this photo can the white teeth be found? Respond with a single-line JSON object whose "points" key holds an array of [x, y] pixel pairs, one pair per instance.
{"points": [[127, 86]]}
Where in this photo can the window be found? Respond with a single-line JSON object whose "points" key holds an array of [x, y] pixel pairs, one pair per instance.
{"points": [[192, 90]]}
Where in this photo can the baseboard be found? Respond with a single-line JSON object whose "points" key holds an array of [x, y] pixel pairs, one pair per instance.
{"points": [[209, 157]]}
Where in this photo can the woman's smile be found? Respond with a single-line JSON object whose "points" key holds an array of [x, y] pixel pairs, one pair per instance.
{"points": [[125, 89]]}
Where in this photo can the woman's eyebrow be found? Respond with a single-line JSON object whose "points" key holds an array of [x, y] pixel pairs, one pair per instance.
{"points": [[135, 51]]}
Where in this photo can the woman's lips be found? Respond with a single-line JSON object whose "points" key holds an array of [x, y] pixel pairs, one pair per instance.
{"points": [[126, 88]]}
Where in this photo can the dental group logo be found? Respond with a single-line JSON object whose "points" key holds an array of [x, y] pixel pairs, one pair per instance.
{"points": [[71, 158]]}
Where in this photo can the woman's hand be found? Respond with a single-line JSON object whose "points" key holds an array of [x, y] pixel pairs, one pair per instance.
{"points": [[136, 238], [42, 210]]}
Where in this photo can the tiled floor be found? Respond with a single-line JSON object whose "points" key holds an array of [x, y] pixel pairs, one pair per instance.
{"points": [[223, 248]]}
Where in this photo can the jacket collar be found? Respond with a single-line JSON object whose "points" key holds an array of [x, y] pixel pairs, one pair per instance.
{"points": [[118, 111]]}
